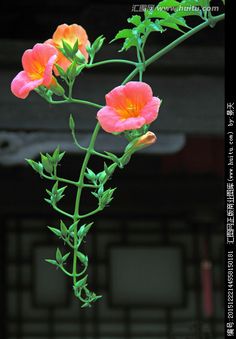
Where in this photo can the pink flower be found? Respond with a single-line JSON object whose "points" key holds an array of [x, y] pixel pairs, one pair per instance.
{"points": [[129, 107], [37, 64]]}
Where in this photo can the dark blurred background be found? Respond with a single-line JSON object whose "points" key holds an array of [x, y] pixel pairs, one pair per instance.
{"points": [[156, 254]]}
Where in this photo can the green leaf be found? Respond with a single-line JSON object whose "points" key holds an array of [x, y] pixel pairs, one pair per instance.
{"points": [[113, 157], [50, 261], [71, 71], [81, 283], [170, 24], [48, 201], [61, 155], [107, 197], [47, 165], [67, 49], [97, 44], [61, 71], [84, 229], [71, 123], [100, 191], [75, 47], [59, 257], [168, 3], [63, 228], [158, 13], [37, 166], [55, 188], [178, 21], [188, 8], [72, 227], [135, 20], [56, 154], [65, 257], [90, 175], [80, 58], [101, 176], [82, 257], [124, 33], [111, 169], [55, 231]]}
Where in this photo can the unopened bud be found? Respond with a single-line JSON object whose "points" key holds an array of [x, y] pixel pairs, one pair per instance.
{"points": [[145, 140]]}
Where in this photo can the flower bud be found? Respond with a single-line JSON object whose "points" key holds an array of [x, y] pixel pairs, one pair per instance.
{"points": [[145, 140]]}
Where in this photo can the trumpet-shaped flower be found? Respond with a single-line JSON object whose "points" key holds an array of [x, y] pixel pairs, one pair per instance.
{"points": [[128, 107], [37, 64], [70, 34]]}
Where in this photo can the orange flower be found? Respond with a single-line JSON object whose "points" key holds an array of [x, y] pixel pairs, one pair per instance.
{"points": [[70, 34]]}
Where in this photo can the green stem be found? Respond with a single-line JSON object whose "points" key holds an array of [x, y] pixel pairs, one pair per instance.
{"points": [[72, 100], [104, 62], [175, 43], [56, 178], [78, 195], [91, 213], [71, 274], [84, 102], [68, 215]]}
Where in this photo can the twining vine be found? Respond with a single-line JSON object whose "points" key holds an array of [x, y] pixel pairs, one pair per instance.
{"points": [[51, 68]]}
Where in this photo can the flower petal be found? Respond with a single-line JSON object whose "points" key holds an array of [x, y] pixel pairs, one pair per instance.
{"points": [[129, 124], [139, 93], [116, 98], [43, 52], [21, 85], [108, 119], [150, 110], [47, 76]]}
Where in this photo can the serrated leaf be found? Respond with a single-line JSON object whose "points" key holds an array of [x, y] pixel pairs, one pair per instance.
{"points": [[158, 13], [188, 8], [178, 21], [135, 20], [123, 34], [55, 231], [170, 24], [52, 262]]}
